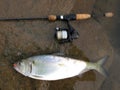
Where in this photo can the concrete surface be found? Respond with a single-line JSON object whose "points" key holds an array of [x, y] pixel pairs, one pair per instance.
{"points": [[22, 39]]}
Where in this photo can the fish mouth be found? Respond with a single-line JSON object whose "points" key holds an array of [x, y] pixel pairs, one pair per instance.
{"points": [[16, 68], [14, 65]]}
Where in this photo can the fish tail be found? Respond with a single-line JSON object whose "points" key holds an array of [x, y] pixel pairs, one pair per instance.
{"points": [[98, 66]]}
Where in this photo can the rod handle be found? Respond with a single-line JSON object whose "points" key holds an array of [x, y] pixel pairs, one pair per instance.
{"points": [[109, 14], [82, 16], [52, 17], [69, 17]]}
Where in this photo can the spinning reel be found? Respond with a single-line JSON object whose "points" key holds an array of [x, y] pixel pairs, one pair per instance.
{"points": [[63, 35]]}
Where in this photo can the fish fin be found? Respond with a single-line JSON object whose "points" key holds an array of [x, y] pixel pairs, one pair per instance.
{"points": [[59, 54], [99, 66], [103, 60]]}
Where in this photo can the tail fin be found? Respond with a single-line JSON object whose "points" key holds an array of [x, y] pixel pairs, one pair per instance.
{"points": [[98, 66]]}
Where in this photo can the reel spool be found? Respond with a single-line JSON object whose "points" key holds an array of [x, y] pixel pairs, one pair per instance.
{"points": [[63, 35]]}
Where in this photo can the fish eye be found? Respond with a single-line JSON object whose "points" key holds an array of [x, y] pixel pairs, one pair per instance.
{"points": [[20, 63], [33, 62]]}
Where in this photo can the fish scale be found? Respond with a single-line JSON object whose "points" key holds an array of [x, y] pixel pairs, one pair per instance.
{"points": [[42, 68]]}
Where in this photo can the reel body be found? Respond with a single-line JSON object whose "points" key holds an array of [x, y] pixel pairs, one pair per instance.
{"points": [[63, 35]]}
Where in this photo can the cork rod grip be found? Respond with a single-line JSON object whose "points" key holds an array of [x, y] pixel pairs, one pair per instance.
{"points": [[52, 17], [109, 14], [82, 16]]}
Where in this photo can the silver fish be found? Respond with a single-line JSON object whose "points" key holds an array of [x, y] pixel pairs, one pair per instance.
{"points": [[51, 67]]}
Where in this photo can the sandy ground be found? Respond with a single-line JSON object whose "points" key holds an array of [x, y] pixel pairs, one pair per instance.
{"points": [[22, 39]]}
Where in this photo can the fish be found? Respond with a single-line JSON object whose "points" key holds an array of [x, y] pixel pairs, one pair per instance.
{"points": [[53, 67]]}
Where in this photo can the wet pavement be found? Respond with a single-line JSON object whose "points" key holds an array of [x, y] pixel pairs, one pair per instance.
{"points": [[22, 39]]}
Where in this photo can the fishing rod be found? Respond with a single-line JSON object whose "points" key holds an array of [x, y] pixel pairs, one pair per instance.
{"points": [[59, 17], [63, 35], [52, 17]]}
